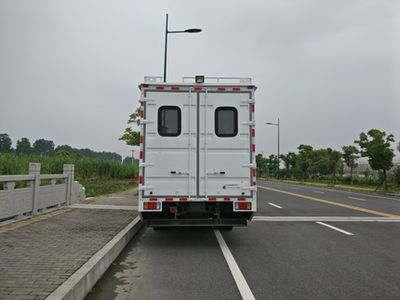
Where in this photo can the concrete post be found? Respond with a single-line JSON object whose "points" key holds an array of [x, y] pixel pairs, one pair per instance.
{"points": [[69, 170], [34, 169]]}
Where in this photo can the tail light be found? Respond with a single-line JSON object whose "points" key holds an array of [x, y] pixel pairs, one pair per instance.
{"points": [[151, 205], [243, 206]]}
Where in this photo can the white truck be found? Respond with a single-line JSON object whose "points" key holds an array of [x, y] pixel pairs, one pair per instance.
{"points": [[197, 152]]}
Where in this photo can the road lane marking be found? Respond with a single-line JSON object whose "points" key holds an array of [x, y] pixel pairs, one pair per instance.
{"points": [[241, 282], [272, 204], [335, 228], [323, 219], [88, 198], [365, 194], [355, 198], [319, 192], [357, 208]]}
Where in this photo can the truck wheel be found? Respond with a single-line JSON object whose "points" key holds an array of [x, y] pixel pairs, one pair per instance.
{"points": [[225, 228]]}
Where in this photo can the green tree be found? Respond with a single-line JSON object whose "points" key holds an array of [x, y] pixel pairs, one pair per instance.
{"points": [[23, 146], [43, 147], [262, 165], [131, 135], [335, 166], [128, 160], [5, 143], [304, 160], [272, 165], [376, 146], [350, 156], [289, 161]]}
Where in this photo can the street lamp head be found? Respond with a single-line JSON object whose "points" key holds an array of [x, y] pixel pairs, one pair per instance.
{"points": [[193, 30]]}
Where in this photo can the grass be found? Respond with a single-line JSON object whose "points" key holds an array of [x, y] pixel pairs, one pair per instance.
{"points": [[97, 188], [99, 176]]}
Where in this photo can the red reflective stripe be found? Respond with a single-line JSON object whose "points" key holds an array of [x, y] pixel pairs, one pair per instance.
{"points": [[141, 103], [254, 147], [169, 199], [198, 88], [212, 199], [241, 199], [153, 199], [221, 89], [253, 132], [174, 87], [142, 113], [227, 199], [140, 179], [254, 183], [141, 139], [253, 107], [236, 89], [183, 199], [141, 154], [159, 87], [254, 172]]}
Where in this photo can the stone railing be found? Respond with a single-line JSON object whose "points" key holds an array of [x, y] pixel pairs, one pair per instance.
{"points": [[39, 193]]}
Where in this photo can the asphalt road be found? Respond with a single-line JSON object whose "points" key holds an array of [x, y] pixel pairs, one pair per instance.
{"points": [[304, 243]]}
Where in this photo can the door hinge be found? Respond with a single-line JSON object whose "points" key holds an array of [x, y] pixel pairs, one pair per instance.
{"points": [[143, 122], [144, 164], [144, 188], [250, 123]]}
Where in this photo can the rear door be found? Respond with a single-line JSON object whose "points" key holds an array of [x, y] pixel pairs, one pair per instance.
{"points": [[170, 144], [224, 164]]}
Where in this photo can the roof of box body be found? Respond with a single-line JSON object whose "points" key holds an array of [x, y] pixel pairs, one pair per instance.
{"points": [[212, 82]]}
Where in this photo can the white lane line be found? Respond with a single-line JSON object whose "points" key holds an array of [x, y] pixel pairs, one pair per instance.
{"points": [[335, 228], [241, 282], [88, 198], [272, 204], [323, 219], [355, 198], [319, 192]]}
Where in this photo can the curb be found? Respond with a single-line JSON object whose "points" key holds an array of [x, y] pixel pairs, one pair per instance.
{"points": [[79, 284]]}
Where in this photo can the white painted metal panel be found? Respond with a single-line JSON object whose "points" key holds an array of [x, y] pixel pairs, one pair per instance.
{"points": [[223, 160], [170, 160]]}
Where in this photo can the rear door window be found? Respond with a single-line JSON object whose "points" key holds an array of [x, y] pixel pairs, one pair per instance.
{"points": [[169, 121], [226, 121]]}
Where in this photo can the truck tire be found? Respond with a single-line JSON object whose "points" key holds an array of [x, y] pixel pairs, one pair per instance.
{"points": [[225, 228]]}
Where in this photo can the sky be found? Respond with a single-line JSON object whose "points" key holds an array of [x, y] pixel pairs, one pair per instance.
{"points": [[69, 70]]}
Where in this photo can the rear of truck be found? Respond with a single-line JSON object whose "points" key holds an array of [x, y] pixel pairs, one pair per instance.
{"points": [[197, 152]]}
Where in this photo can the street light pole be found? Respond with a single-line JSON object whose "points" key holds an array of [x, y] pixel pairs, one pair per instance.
{"points": [[190, 30], [278, 125], [165, 51]]}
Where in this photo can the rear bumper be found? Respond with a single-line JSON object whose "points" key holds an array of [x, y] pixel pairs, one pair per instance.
{"points": [[197, 214], [194, 222]]}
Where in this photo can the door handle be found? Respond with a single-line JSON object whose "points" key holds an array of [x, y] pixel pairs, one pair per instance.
{"points": [[173, 172]]}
